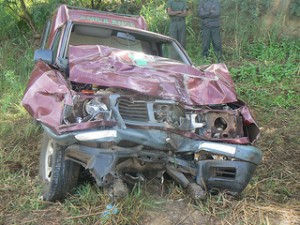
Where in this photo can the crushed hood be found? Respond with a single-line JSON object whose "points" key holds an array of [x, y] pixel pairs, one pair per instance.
{"points": [[151, 75]]}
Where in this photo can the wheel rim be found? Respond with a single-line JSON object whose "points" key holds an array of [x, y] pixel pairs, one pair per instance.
{"points": [[49, 160]]}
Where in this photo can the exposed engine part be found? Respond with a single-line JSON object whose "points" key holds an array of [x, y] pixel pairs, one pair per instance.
{"points": [[191, 122], [220, 124]]}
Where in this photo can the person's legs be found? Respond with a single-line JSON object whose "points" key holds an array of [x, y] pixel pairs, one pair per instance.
{"points": [[173, 30], [217, 43], [181, 33], [205, 42]]}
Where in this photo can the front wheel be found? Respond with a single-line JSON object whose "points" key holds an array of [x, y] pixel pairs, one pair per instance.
{"points": [[59, 176]]}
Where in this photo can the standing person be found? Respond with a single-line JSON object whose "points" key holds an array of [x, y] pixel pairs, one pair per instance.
{"points": [[177, 10], [209, 13]]}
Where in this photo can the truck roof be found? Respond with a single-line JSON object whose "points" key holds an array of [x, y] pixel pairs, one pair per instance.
{"points": [[66, 13]]}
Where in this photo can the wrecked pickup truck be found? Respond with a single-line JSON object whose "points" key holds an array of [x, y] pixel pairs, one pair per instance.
{"points": [[127, 104]]}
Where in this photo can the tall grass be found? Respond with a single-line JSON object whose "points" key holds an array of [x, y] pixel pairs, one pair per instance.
{"points": [[16, 64]]}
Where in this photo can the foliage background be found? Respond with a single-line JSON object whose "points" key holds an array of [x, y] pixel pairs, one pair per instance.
{"points": [[261, 43], [240, 17]]}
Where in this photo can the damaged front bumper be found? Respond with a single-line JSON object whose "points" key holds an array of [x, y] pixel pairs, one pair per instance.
{"points": [[211, 165]]}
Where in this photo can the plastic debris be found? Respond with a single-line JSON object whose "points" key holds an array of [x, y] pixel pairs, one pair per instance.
{"points": [[109, 210]]}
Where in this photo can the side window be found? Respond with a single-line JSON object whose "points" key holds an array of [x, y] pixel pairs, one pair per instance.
{"points": [[56, 41], [168, 51]]}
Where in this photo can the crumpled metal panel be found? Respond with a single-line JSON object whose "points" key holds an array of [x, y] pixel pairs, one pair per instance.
{"points": [[46, 95], [151, 75]]}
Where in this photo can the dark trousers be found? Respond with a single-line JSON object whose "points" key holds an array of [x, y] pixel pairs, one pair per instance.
{"points": [[211, 35], [178, 31]]}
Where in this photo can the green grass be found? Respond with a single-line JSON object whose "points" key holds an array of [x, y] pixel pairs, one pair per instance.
{"points": [[267, 78], [269, 74], [16, 64]]}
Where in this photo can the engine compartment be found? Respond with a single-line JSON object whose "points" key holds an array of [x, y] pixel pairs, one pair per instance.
{"points": [[92, 103]]}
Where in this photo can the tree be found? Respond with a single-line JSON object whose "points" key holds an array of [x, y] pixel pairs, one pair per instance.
{"points": [[19, 9]]}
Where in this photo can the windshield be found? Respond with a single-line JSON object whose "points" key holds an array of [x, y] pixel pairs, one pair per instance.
{"points": [[82, 34]]}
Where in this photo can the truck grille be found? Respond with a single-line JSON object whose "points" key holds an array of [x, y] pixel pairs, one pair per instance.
{"points": [[224, 172], [133, 111]]}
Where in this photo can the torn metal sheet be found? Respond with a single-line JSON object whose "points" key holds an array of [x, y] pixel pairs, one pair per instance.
{"points": [[151, 75]]}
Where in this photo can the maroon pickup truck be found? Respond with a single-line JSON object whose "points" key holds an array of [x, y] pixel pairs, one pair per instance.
{"points": [[127, 105]]}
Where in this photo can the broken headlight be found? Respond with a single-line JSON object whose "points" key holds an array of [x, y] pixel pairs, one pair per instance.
{"points": [[96, 109], [86, 110], [168, 113]]}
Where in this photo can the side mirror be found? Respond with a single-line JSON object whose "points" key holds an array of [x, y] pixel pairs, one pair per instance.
{"points": [[45, 55]]}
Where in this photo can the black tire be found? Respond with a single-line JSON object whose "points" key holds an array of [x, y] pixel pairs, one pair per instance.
{"points": [[59, 176]]}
